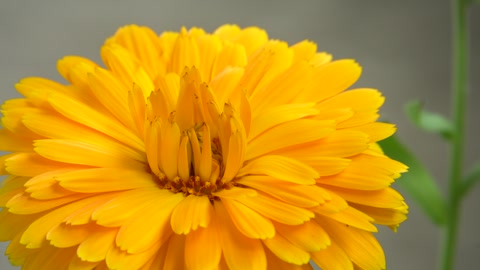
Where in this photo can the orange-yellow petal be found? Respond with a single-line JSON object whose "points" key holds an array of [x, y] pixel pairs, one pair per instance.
{"points": [[360, 246], [202, 247], [149, 225], [281, 168], [333, 257], [190, 214], [286, 251], [240, 252], [248, 221]]}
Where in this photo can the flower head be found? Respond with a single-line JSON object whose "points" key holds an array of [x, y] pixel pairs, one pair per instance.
{"points": [[192, 150]]}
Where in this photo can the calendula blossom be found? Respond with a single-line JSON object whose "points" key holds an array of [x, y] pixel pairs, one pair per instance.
{"points": [[192, 150]]}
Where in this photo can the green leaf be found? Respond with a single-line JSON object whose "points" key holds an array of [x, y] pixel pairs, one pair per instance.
{"points": [[472, 178], [428, 121], [417, 183]]}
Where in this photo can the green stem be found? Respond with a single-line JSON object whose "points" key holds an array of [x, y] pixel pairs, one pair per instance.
{"points": [[459, 79]]}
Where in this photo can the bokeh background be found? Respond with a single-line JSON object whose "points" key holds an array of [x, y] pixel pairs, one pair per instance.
{"points": [[403, 46]]}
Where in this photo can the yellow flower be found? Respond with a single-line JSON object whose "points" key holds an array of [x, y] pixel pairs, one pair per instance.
{"points": [[192, 150]]}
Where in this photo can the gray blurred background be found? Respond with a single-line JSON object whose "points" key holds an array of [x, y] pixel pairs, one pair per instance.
{"points": [[403, 46]]}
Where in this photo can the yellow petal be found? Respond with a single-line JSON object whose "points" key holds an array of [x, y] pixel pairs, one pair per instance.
{"points": [[326, 165], [245, 113], [28, 86], [231, 56], [13, 114], [167, 42], [277, 210], [152, 141], [363, 102], [235, 192], [87, 116], [352, 217], [304, 50], [80, 153], [235, 157], [143, 43], [334, 204], [249, 222], [55, 126], [183, 159], [126, 67], [298, 195], [11, 187], [23, 203], [210, 46], [50, 258], [202, 247], [168, 91], [192, 97], [137, 106], [111, 93], [384, 216], [366, 172], [286, 251], [206, 159], [185, 53], [251, 38], [12, 225], [98, 242], [333, 257], [279, 114], [341, 143], [149, 225], [83, 215], [377, 131], [13, 142], [329, 80], [64, 235], [383, 198], [225, 83], [105, 180], [309, 236], [122, 260], [157, 260], [75, 69], [275, 263], [77, 264], [32, 164], [281, 168], [239, 251], [290, 83], [196, 151], [101, 266], [265, 64], [361, 246], [227, 31], [35, 235], [337, 114], [169, 154], [190, 214], [289, 134], [44, 186], [174, 259], [321, 58], [115, 212], [17, 253]]}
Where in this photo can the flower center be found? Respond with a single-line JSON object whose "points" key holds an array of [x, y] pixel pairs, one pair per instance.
{"points": [[193, 186], [199, 168], [199, 147]]}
